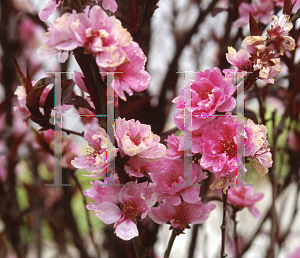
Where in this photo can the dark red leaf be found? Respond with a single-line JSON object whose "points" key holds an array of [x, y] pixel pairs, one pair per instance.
{"points": [[33, 98], [67, 89], [287, 7], [28, 84], [254, 30], [19, 72], [79, 102]]}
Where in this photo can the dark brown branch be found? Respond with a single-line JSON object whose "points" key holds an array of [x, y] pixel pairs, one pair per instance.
{"points": [[223, 226], [170, 244]]}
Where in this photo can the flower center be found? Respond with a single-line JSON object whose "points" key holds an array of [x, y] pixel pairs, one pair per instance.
{"points": [[137, 139], [228, 146], [204, 92]]}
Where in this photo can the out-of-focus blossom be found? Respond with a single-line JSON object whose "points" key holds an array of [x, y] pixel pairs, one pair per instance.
{"points": [[296, 253], [261, 10], [244, 196], [110, 5], [182, 215], [21, 94], [210, 92]]}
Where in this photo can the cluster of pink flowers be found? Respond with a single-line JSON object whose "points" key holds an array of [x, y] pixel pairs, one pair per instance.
{"points": [[105, 38], [51, 6], [262, 53]]}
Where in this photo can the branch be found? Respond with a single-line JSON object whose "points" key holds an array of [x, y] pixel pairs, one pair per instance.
{"points": [[170, 244], [223, 226]]}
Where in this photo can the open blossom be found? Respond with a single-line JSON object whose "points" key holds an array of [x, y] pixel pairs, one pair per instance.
{"points": [[257, 146], [244, 196], [136, 139], [175, 183], [210, 92], [131, 75], [93, 30], [135, 201], [182, 215], [218, 146], [100, 154]]}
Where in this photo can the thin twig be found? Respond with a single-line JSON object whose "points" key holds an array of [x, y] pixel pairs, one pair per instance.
{"points": [[235, 235], [170, 244], [223, 226]]}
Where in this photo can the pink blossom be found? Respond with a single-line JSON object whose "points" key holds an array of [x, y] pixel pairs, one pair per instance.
{"points": [[278, 35], [171, 184], [131, 75], [100, 154], [257, 146], [218, 146], [176, 150], [110, 5], [210, 92], [93, 30], [22, 107], [261, 10], [239, 59], [136, 139], [102, 193], [135, 201], [296, 253], [182, 215], [244, 196], [49, 9]]}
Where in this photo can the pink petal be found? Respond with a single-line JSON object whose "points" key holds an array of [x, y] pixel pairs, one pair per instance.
{"points": [[110, 5], [48, 10], [127, 230], [108, 212]]}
